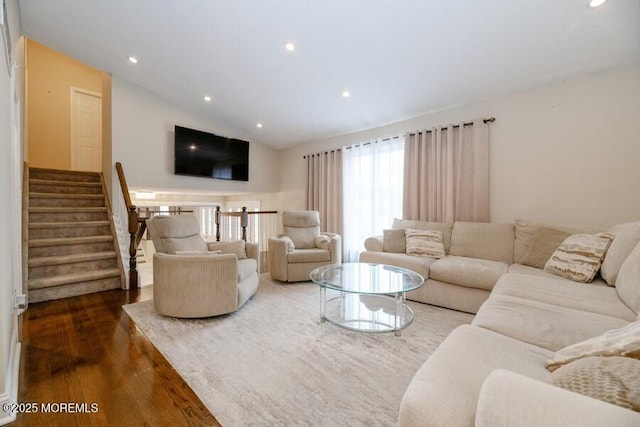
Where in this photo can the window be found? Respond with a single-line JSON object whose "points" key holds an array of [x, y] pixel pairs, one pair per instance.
{"points": [[372, 181]]}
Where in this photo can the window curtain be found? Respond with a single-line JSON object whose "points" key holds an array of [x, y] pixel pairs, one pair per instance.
{"points": [[324, 189], [446, 173], [372, 191]]}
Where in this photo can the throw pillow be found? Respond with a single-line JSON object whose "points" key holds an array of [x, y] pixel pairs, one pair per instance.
{"points": [[617, 342], [234, 247], [198, 252], [287, 240], [393, 240], [323, 242], [612, 379], [542, 245], [445, 227], [626, 237], [426, 243], [579, 256], [526, 231], [628, 280]]}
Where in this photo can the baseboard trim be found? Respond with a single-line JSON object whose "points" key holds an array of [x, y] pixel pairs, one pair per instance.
{"points": [[11, 385]]}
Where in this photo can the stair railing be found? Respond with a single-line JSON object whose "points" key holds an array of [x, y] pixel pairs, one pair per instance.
{"points": [[243, 216], [136, 227]]}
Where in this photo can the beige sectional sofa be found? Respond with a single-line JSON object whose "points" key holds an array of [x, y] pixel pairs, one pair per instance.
{"points": [[494, 371]]}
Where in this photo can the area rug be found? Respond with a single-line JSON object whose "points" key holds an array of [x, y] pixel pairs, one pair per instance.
{"points": [[274, 363]]}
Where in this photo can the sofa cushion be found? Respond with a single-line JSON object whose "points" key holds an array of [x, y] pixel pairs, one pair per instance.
{"points": [[600, 299], [303, 237], [624, 341], [628, 281], [525, 231], [426, 243], [308, 255], [445, 390], [198, 253], [176, 226], [612, 379], [418, 264], [483, 240], [508, 399], [579, 257], [323, 242], [542, 246], [301, 218], [444, 227], [288, 242], [234, 247], [468, 272], [545, 325], [626, 237], [394, 240], [172, 245]]}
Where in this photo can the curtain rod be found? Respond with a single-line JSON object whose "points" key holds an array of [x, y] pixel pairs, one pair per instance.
{"points": [[488, 120]]}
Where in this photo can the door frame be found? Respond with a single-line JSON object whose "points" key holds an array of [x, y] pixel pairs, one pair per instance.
{"points": [[72, 114]]}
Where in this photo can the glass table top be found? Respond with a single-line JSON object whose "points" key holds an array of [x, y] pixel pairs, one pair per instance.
{"points": [[365, 278]]}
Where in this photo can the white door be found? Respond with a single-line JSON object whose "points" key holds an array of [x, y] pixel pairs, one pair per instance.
{"points": [[86, 131]]}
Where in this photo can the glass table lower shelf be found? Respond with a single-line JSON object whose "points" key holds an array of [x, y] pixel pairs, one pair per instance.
{"points": [[367, 313], [365, 296]]}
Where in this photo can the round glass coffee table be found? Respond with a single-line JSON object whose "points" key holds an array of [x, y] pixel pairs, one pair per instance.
{"points": [[370, 298]]}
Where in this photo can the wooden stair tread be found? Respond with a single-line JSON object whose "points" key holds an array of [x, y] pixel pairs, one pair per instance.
{"points": [[59, 241], [65, 183], [69, 259], [66, 279], [67, 224], [63, 171], [66, 196], [66, 209]]}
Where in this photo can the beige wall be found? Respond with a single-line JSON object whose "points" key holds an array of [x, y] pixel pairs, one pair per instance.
{"points": [[107, 146], [50, 76], [567, 152], [143, 132]]}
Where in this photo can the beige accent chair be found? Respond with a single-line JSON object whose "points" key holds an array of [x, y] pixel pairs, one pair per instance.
{"points": [[189, 280], [301, 247]]}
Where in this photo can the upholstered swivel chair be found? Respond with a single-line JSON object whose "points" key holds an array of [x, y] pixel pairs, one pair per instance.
{"points": [[302, 247], [193, 278]]}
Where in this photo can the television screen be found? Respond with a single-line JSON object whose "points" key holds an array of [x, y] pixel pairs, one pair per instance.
{"points": [[204, 154]]}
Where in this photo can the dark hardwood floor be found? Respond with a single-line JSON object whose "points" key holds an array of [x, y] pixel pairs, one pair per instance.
{"points": [[87, 350]]}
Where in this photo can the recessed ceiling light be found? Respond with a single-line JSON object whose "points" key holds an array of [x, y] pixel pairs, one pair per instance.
{"points": [[207, 98], [346, 94], [290, 47], [259, 125], [596, 3], [133, 59]]}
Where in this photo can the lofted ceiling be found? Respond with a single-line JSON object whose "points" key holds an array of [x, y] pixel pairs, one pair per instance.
{"points": [[397, 58]]}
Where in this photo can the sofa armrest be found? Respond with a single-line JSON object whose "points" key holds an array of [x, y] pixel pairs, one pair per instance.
{"points": [[253, 251], [335, 247], [195, 285], [277, 255], [513, 400], [373, 243]]}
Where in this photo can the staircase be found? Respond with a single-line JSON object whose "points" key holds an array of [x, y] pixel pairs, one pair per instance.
{"points": [[71, 245]]}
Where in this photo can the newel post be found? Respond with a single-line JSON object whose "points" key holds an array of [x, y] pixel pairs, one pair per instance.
{"points": [[244, 222], [217, 223], [133, 230]]}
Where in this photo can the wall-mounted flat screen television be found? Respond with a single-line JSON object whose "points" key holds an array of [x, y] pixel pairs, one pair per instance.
{"points": [[204, 154]]}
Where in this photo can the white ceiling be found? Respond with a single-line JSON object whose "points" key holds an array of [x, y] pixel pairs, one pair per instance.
{"points": [[398, 58]]}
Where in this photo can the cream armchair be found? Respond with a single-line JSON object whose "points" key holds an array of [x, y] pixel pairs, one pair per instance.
{"points": [[190, 278], [302, 247]]}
